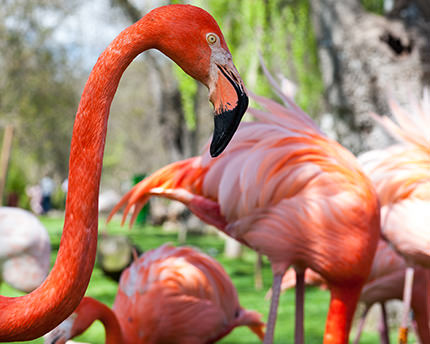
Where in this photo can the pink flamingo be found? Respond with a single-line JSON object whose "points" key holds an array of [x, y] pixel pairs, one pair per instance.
{"points": [[192, 39], [286, 190], [25, 249], [168, 295], [400, 174]]}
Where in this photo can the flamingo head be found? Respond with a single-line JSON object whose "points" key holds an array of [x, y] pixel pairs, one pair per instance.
{"points": [[192, 38], [252, 319], [82, 318], [63, 332]]}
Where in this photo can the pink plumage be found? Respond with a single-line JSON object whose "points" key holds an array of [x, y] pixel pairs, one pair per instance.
{"points": [[286, 190], [168, 295], [400, 174]]}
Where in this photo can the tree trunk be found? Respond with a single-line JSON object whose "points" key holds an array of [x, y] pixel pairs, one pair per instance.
{"points": [[4, 158], [365, 59], [171, 117]]}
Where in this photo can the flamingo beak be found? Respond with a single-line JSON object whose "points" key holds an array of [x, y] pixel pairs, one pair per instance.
{"points": [[230, 101], [258, 330], [252, 319]]}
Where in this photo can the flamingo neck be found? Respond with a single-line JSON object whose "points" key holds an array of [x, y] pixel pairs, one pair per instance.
{"points": [[93, 310], [342, 306], [34, 314], [112, 328]]}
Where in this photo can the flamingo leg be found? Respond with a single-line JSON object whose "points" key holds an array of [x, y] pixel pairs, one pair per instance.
{"points": [[258, 272], [276, 291], [407, 295], [383, 328], [361, 324], [300, 298]]}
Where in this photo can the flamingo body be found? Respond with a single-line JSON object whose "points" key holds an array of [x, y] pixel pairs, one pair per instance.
{"points": [[287, 191], [169, 295], [400, 174], [25, 249]]}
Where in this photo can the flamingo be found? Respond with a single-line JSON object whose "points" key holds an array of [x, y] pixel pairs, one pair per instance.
{"points": [[168, 295], [287, 191], [400, 174], [25, 249], [191, 38], [385, 282]]}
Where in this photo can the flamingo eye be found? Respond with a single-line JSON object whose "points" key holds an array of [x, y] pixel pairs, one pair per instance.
{"points": [[211, 38]]}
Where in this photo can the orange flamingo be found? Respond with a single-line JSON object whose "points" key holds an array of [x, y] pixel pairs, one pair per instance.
{"points": [[168, 295], [192, 39], [25, 249], [400, 174], [286, 190]]}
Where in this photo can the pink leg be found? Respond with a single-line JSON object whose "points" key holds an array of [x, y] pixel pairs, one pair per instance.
{"points": [[383, 328], [361, 324], [407, 295], [300, 299], [259, 272], [276, 291]]}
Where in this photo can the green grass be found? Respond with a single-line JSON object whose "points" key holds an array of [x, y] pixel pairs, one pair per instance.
{"points": [[241, 271]]}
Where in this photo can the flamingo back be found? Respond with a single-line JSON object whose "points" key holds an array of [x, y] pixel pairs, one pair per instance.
{"points": [[177, 295]]}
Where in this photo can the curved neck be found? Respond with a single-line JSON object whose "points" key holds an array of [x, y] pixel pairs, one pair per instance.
{"points": [[91, 310], [112, 326], [339, 318], [32, 315]]}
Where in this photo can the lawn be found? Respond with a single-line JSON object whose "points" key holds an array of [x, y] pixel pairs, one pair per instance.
{"points": [[241, 271]]}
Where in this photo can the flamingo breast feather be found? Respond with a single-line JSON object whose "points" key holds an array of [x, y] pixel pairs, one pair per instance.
{"points": [[273, 180]]}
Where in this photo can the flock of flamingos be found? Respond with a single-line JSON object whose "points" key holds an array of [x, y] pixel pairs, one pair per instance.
{"points": [[358, 227]]}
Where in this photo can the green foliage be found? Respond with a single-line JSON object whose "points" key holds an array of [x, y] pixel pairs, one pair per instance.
{"points": [[375, 6], [37, 88], [188, 88], [281, 31], [58, 199], [16, 183]]}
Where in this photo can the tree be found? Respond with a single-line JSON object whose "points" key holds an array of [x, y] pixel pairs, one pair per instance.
{"points": [[366, 57], [37, 93], [177, 116]]}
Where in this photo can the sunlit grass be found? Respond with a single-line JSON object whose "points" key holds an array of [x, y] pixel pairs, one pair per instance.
{"points": [[240, 270]]}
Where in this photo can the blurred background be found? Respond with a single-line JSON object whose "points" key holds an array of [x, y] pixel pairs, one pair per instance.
{"points": [[343, 58]]}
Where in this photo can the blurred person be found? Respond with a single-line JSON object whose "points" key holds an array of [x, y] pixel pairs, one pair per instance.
{"points": [[47, 187]]}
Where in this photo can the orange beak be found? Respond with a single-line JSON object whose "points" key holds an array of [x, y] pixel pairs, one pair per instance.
{"points": [[230, 101], [258, 330], [252, 319]]}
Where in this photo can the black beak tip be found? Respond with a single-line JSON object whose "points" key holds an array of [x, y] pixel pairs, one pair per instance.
{"points": [[226, 124]]}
